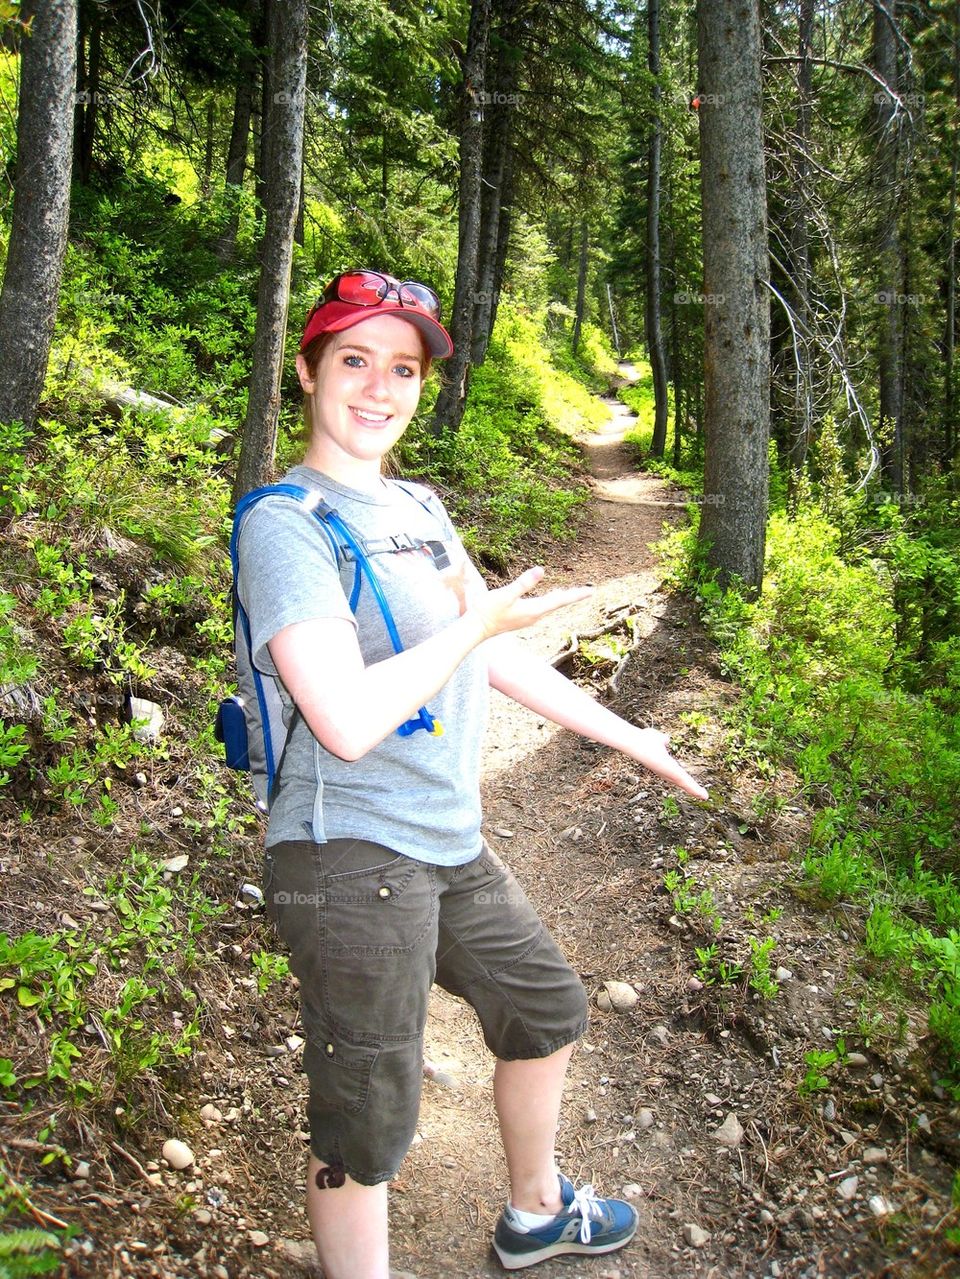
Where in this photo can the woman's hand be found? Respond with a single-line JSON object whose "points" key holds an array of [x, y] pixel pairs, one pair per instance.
{"points": [[509, 608], [649, 748]]}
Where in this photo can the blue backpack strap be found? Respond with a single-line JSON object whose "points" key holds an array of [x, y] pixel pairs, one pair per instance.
{"points": [[328, 519], [314, 502], [241, 622]]}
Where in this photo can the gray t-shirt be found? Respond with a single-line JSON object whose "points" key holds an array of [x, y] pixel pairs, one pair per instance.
{"points": [[418, 795]]}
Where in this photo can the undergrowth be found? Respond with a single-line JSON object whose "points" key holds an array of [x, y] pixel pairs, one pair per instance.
{"points": [[509, 468], [849, 670]]}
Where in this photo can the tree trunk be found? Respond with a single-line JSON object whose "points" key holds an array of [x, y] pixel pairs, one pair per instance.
{"points": [[736, 310], [581, 285], [889, 255], [41, 204], [801, 424], [88, 95], [676, 361], [262, 125], [300, 227], [496, 149], [283, 146], [207, 178], [237, 158], [453, 394], [658, 362], [503, 235], [950, 327]]}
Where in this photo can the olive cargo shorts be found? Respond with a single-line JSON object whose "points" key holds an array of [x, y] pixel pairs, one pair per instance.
{"points": [[369, 931]]}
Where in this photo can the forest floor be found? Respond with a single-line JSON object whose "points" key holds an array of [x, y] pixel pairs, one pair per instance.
{"points": [[743, 1158]]}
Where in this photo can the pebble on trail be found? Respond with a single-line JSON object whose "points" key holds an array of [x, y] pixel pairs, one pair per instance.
{"points": [[730, 1132], [617, 996], [177, 1154]]}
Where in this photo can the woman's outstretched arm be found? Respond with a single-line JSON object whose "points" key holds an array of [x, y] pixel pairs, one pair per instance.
{"points": [[534, 683], [350, 708]]}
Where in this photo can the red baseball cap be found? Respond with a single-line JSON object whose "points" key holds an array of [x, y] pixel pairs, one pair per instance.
{"points": [[335, 316]]}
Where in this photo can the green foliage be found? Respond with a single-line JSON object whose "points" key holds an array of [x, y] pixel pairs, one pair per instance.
{"points": [[61, 978], [16, 667], [269, 969], [711, 969], [687, 901], [846, 670], [818, 1061], [510, 462], [688, 470], [25, 1250], [143, 276], [28, 1251], [761, 979]]}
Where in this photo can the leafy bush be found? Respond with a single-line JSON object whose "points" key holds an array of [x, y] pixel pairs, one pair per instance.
{"points": [[837, 660]]}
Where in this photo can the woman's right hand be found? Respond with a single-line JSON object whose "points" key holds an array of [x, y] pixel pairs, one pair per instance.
{"points": [[510, 608]]}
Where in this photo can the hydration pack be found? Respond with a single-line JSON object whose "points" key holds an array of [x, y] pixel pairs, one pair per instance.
{"points": [[250, 723]]}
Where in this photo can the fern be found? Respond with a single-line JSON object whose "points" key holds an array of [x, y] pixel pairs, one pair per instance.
{"points": [[28, 1251]]}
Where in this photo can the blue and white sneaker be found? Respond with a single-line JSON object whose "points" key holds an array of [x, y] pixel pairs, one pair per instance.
{"points": [[586, 1225]]}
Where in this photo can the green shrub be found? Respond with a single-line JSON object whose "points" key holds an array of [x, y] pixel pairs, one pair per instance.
{"points": [[847, 673]]}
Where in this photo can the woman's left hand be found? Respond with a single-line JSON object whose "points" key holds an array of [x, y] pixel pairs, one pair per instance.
{"points": [[649, 747]]}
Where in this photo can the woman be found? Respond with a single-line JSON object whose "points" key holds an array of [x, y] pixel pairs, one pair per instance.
{"points": [[376, 872]]}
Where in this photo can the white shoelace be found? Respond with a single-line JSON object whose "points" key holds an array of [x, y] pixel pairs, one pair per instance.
{"points": [[585, 1202]]}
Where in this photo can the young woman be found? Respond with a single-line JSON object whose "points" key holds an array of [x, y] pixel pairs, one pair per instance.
{"points": [[377, 876]]}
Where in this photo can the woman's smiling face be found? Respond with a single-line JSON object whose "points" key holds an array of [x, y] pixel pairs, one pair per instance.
{"points": [[362, 396]]}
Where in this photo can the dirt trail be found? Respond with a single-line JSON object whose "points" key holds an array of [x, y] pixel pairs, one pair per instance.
{"points": [[544, 804], [651, 1092]]}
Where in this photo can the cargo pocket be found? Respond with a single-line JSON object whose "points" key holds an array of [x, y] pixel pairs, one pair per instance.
{"points": [[388, 909], [339, 1071]]}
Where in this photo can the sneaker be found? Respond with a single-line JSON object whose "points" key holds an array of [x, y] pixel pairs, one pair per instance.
{"points": [[586, 1225]]}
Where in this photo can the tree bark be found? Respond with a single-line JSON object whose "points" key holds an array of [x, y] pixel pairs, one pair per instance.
{"points": [[676, 369], [950, 326], [503, 234], [88, 95], [581, 285], [658, 362], [737, 311], [211, 119], [889, 254], [799, 237], [495, 179], [237, 158], [41, 204], [282, 141], [452, 399]]}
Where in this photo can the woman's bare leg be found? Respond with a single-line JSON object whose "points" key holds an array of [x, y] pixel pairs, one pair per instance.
{"points": [[349, 1225], [527, 1094]]}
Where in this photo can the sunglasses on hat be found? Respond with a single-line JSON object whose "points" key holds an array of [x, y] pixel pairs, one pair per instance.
{"points": [[352, 296], [370, 288]]}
